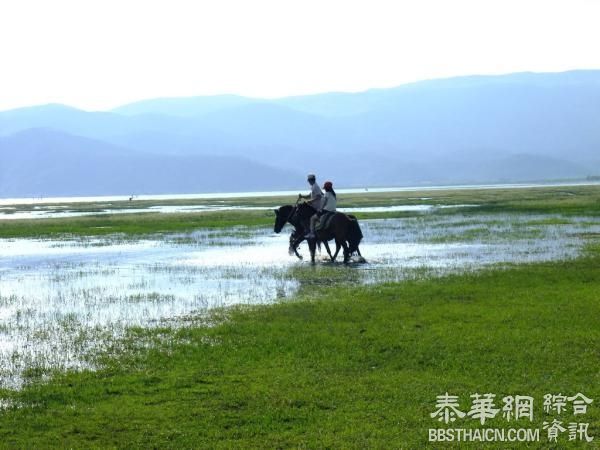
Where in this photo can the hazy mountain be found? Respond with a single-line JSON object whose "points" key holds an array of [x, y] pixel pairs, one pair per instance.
{"points": [[83, 123], [517, 127], [184, 106], [41, 162]]}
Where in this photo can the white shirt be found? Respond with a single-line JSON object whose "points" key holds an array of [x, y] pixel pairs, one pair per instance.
{"points": [[316, 194], [329, 202]]}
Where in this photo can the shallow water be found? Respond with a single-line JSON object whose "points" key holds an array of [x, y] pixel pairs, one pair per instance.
{"points": [[62, 211], [61, 300], [215, 195]]}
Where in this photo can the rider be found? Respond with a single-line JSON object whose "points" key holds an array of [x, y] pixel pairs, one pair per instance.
{"points": [[328, 206], [330, 199], [315, 199]]}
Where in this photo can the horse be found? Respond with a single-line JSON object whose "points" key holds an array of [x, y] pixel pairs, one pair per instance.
{"points": [[286, 214], [343, 228]]}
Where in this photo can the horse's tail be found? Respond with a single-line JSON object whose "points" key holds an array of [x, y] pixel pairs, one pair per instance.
{"points": [[354, 235]]}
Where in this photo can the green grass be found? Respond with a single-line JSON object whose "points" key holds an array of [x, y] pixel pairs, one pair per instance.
{"points": [[132, 225], [338, 367]]}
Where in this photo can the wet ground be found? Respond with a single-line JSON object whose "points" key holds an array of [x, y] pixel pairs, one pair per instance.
{"points": [[62, 211], [64, 300]]}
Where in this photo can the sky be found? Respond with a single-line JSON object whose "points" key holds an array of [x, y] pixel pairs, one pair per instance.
{"points": [[96, 55]]}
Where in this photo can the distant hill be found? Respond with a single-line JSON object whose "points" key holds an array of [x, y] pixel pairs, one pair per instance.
{"points": [[41, 162], [508, 128], [184, 106]]}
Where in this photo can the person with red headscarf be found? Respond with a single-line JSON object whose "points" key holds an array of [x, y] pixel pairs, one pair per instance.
{"points": [[330, 199]]}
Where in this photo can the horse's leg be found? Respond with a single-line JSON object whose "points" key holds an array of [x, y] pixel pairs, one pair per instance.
{"points": [[337, 250], [295, 245], [328, 249], [346, 252], [340, 240], [342, 233], [293, 238], [312, 244]]}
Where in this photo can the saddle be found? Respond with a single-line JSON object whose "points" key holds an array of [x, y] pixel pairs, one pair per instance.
{"points": [[324, 221]]}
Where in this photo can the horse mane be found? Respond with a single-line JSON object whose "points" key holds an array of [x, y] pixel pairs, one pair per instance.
{"points": [[306, 205], [286, 209]]}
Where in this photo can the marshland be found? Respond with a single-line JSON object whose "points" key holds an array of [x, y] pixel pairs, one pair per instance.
{"points": [[191, 316]]}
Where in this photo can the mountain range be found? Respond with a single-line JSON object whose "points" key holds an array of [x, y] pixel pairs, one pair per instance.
{"points": [[475, 129]]}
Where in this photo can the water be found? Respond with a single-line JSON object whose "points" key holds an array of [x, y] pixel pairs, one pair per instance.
{"points": [[230, 195], [58, 211], [64, 300]]}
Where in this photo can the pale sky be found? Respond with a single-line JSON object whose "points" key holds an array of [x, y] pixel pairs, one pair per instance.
{"points": [[99, 54]]}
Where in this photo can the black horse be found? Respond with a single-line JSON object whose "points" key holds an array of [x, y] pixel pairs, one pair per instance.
{"points": [[287, 214], [343, 228]]}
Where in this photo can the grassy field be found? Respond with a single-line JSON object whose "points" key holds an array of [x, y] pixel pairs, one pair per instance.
{"points": [[339, 366], [132, 225]]}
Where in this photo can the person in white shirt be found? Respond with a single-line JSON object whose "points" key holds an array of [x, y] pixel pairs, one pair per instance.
{"points": [[316, 194], [315, 200]]}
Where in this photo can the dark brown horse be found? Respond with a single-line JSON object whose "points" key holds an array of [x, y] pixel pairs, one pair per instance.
{"points": [[287, 214], [343, 228]]}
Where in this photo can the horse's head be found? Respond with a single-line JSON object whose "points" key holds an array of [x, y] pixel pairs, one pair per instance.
{"points": [[281, 217]]}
